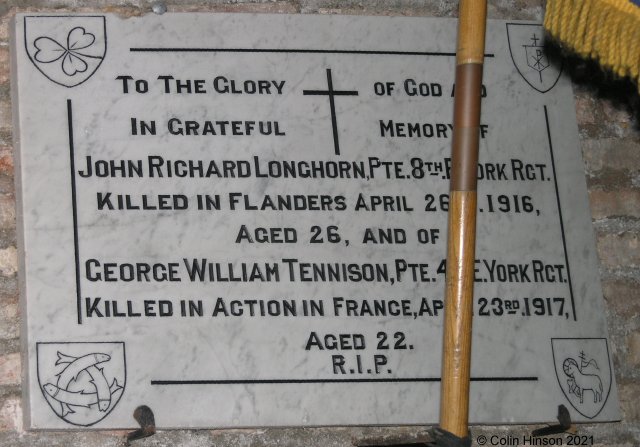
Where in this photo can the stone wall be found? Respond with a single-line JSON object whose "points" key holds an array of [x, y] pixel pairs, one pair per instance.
{"points": [[610, 139]]}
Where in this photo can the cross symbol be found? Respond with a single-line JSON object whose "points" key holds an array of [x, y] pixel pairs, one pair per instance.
{"points": [[331, 93], [535, 39]]}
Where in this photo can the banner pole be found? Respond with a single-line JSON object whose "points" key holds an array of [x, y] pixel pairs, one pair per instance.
{"points": [[456, 358]]}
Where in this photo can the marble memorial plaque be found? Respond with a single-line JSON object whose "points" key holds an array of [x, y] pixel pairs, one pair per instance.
{"points": [[240, 220]]}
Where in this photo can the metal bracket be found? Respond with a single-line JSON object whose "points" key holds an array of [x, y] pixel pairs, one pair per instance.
{"points": [[565, 425], [147, 421], [436, 437]]}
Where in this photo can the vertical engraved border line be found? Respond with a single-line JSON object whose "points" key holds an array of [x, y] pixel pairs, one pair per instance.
{"points": [[564, 240], [74, 209]]}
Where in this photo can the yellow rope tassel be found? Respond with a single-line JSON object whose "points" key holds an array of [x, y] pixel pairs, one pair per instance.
{"points": [[605, 30]]}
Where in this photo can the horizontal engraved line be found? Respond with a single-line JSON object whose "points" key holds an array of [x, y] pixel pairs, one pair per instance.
{"points": [[276, 50], [296, 381]]}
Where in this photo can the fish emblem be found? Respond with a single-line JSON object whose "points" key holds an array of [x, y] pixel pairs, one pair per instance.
{"points": [[75, 366], [82, 384]]}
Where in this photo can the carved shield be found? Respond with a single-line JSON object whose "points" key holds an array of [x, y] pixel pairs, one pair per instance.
{"points": [[583, 369], [536, 66], [81, 382], [67, 50]]}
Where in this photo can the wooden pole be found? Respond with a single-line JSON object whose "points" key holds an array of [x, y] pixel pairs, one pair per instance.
{"points": [[456, 359]]}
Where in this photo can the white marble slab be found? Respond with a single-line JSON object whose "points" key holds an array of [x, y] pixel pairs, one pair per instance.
{"points": [[115, 313]]}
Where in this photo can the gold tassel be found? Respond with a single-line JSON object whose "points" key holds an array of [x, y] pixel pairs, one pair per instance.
{"points": [[605, 30]]}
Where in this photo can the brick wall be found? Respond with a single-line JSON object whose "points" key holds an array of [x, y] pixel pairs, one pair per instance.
{"points": [[610, 141]]}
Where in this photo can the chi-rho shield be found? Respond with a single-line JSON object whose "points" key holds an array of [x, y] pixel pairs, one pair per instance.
{"points": [[526, 45], [81, 382], [67, 50], [583, 369]]}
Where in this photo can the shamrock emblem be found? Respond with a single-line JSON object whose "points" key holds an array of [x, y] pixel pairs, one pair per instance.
{"points": [[67, 50], [73, 55]]}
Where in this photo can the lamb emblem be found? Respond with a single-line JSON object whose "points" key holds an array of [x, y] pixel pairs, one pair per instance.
{"points": [[583, 370], [580, 381]]}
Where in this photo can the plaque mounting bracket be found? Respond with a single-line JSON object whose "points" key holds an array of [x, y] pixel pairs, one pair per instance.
{"points": [[144, 416]]}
